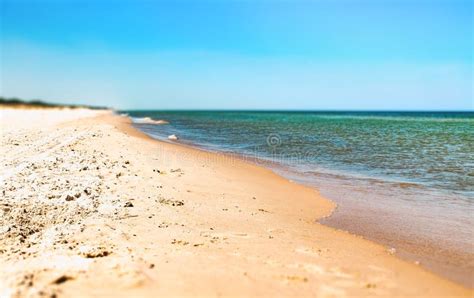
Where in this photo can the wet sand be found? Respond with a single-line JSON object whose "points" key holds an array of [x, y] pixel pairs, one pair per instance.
{"points": [[92, 207], [435, 237]]}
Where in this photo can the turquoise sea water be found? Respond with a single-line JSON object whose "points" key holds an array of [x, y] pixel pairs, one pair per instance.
{"points": [[408, 173]]}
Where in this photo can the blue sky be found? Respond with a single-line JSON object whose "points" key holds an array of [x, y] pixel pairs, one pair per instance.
{"points": [[262, 54]]}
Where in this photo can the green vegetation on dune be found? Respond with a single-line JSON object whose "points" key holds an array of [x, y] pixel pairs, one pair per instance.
{"points": [[16, 102]]}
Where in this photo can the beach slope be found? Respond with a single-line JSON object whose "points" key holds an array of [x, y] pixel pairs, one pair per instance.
{"points": [[92, 207]]}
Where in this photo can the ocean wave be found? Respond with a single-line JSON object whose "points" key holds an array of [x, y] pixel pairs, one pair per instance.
{"points": [[148, 120]]}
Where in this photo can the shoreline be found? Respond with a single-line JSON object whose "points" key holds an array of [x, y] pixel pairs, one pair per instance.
{"points": [[214, 220], [423, 253], [253, 161], [266, 164]]}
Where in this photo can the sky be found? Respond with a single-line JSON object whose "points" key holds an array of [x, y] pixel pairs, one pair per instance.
{"points": [[261, 54]]}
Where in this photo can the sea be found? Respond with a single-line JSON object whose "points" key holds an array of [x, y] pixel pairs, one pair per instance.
{"points": [[402, 179]]}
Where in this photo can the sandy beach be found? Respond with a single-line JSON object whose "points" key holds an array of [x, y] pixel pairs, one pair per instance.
{"points": [[92, 207]]}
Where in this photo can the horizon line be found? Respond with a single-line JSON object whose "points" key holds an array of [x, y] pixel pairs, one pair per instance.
{"points": [[297, 110]]}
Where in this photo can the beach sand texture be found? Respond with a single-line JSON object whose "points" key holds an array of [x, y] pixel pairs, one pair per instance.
{"points": [[92, 207]]}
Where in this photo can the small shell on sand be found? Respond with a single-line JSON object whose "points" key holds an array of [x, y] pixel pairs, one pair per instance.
{"points": [[172, 137]]}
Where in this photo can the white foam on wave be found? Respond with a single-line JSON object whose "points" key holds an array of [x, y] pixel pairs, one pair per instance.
{"points": [[148, 120]]}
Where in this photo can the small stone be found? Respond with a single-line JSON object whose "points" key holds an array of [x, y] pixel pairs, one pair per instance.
{"points": [[128, 204], [69, 198], [173, 137], [62, 279]]}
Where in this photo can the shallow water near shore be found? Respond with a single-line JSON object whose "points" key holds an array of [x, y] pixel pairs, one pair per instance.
{"points": [[405, 180]]}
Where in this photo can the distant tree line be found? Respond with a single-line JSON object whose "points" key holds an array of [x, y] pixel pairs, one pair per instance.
{"points": [[15, 102]]}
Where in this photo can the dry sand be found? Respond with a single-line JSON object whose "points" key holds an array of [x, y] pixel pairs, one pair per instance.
{"points": [[92, 207]]}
